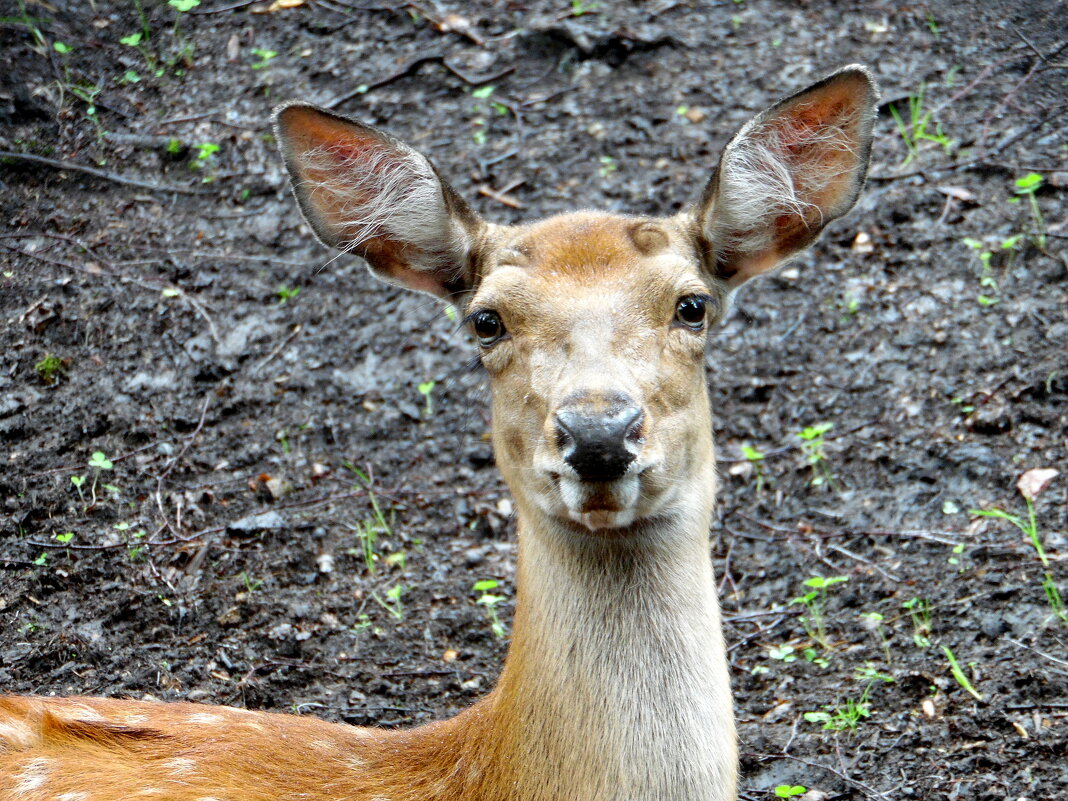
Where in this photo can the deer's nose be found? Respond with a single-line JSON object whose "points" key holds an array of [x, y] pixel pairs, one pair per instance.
{"points": [[600, 445]]}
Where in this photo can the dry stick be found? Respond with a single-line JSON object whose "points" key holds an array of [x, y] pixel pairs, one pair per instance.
{"points": [[410, 69], [868, 562], [1035, 650], [189, 439], [281, 346], [1005, 99], [107, 176]]}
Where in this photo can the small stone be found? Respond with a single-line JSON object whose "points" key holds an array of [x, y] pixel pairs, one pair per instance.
{"points": [[325, 562]]}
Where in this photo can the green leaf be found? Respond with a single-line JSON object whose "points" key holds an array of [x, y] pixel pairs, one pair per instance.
{"points": [[77, 481], [1029, 183], [40, 560], [183, 5], [485, 585], [67, 537], [427, 387], [483, 91], [133, 40], [61, 48], [789, 790], [817, 717], [100, 461], [752, 454]]}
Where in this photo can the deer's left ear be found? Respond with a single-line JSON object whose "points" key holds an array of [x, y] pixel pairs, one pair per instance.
{"points": [[786, 174], [363, 191]]}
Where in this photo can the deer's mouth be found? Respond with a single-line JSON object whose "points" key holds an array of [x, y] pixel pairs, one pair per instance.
{"points": [[598, 505]]}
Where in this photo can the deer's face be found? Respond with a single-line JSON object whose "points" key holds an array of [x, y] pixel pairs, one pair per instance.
{"points": [[592, 326], [592, 330]]}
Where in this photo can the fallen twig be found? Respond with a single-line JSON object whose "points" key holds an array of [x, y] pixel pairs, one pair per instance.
{"points": [[107, 176]]}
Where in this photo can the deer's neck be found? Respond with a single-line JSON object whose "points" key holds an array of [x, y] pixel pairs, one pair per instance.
{"points": [[617, 674]]}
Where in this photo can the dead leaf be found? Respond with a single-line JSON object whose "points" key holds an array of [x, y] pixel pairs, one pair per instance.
{"points": [[1033, 481], [958, 193], [450, 655], [928, 708], [233, 48], [862, 243]]}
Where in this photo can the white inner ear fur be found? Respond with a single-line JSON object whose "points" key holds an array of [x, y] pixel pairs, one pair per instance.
{"points": [[775, 166], [386, 192]]}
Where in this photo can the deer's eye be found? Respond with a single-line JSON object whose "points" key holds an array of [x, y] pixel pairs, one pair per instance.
{"points": [[488, 327], [692, 311]]}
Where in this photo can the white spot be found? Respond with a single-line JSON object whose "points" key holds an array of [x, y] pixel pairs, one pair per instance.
{"points": [[32, 776], [132, 718], [17, 735], [72, 797], [82, 712], [180, 765], [322, 745], [207, 718], [355, 763]]}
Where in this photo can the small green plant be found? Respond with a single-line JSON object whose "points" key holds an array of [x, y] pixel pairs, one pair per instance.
{"points": [[204, 159], [64, 538], [251, 584], [989, 291], [1027, 186], [286, 294], [812, 446], [756, 460], [41, 560], [1028, 526], [790, 790], [608, 166], [392, 603], [264, 57], [917, 129], [581, 7], [369, 530], [185, 48], [98, 462], [50, 368], [1053, 597], [919, 610], [815, 604], [847, 716], [958, 674], [783, 653], [490, 601], [139, 41], [426, 389]]}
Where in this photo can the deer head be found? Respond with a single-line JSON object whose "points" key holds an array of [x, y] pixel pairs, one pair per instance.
{"points": [[592, 326]]}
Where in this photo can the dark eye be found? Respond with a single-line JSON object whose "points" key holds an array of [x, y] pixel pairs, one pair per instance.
{"points": [[691, 311], [488, 327]]}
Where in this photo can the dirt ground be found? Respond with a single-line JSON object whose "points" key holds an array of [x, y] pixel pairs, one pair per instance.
{"points": [[283, 513]]}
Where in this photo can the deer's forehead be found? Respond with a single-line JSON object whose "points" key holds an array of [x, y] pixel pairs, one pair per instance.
{"points": [[623, 263]]}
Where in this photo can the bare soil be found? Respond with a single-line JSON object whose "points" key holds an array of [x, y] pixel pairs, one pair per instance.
{"points": [[253, 430]]}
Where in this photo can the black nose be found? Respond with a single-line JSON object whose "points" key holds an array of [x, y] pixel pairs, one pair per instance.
{"points": [[598, 444]]}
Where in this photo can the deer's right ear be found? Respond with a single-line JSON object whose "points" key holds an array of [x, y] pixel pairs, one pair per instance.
{"points": [[361, 190]]}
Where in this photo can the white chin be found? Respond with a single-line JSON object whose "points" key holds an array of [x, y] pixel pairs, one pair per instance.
{"points": [[602, 519], [623, 495]]}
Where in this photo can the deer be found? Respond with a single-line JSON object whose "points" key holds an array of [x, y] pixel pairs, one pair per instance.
{"points": [[592, 329]]}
